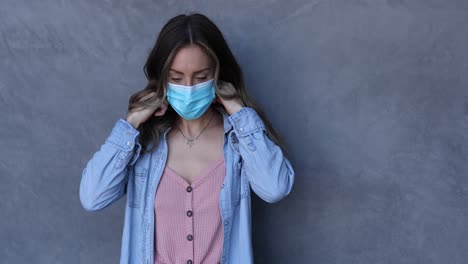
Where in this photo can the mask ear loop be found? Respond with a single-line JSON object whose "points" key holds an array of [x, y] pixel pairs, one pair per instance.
{"points": [[215, 101]]}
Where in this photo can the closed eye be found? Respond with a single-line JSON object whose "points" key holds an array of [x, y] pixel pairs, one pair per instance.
{"points": [[178, 79]]}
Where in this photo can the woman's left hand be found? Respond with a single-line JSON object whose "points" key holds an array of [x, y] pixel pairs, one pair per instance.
{"points": [[232, 105]]}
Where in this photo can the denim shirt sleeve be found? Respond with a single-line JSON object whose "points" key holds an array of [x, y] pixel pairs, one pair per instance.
{"points": [[104, 177], [269, 172]]}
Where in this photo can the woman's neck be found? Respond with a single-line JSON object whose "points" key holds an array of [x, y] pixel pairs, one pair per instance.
{"points": [[192, 128]]}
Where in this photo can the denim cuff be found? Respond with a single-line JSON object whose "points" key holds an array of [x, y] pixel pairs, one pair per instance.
{"points": [[246, 121], [123, 135]]}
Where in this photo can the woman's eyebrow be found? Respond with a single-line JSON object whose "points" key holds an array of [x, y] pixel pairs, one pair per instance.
{"points": [[194, 72]]}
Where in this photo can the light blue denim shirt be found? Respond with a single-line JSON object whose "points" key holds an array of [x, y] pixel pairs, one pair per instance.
{"points": [[252, 161]]}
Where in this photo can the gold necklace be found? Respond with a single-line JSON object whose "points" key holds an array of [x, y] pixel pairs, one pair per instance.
{"points": [[191, 141]]}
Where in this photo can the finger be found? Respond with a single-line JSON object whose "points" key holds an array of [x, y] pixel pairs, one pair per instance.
{"points": [[138, 108], [148, 96]]}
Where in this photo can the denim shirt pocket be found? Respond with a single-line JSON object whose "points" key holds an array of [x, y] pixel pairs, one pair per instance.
{"points": [[136, 186]]}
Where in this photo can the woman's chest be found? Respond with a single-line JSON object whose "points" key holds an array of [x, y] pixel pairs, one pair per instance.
{"points": [[191, 162], [146, 175]]}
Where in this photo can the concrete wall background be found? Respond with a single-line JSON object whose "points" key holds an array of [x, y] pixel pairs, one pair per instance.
{"points": [[371, 97]]}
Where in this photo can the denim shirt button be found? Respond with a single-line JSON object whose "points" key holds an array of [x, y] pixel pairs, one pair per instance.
{"points": [[241, 129], [129, 143]]}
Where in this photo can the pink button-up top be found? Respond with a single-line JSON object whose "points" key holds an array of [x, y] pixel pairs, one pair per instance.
{"points": [[188, 226]]}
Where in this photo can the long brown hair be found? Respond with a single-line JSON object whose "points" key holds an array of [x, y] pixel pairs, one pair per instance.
{"points": [[180, 31]]}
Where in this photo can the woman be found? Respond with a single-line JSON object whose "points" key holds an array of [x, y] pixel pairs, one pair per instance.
{"points": [[188, 194]]}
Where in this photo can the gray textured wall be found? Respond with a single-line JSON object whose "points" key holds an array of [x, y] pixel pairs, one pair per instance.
{"points": [[371, 97]]}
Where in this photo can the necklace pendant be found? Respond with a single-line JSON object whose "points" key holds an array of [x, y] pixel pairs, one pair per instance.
{"points": [[190, 142]]}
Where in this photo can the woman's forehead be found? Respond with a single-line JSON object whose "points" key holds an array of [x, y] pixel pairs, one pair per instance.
{"points": [[190, 59]]}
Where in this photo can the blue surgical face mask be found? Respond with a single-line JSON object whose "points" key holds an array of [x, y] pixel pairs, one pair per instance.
{"points": [[190, 102]]}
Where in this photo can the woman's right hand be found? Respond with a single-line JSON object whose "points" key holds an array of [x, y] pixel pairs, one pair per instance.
{"points": [[140, 115]]}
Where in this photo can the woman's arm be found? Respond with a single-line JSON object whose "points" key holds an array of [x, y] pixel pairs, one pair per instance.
{"points": [[269, 172], [105, 177]]}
